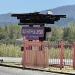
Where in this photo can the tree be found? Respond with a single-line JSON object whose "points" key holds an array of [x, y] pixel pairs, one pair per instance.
{"points": [[8, 34], [69, 33], [66, 33], [57, 34]]}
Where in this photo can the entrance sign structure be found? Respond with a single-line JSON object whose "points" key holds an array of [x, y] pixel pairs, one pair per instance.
{"points": [[35, 51]]}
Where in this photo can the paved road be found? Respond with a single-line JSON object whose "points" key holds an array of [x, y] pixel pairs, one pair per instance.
{"points": [[15, 71]]}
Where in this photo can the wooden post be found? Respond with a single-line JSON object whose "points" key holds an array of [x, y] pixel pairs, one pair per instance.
{"points": [[35, 57], [61, 54], [74, 55], [46, 64], [23, 55]]}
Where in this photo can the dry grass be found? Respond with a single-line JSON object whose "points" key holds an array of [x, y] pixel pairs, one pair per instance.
{"points": [[55, 53], [10, 51]]}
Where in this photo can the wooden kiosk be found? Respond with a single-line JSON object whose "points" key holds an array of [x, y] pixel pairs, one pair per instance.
{"points": [[35, 53]]}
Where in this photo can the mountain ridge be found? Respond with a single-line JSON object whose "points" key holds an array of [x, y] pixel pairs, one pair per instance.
{"points": [[68, 10]]}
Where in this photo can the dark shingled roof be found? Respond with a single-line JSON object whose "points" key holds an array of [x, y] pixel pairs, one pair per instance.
{"points": [[37, 18]]}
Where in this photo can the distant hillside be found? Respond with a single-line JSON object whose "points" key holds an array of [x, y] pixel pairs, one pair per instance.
{"points": [[69, 11], [6, 19], [65, 10]]}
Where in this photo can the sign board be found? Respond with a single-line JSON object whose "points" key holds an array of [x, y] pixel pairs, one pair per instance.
{"points": [[33, 33]]}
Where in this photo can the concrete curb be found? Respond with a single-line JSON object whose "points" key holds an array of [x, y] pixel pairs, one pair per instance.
{"points": [[36, 69]]}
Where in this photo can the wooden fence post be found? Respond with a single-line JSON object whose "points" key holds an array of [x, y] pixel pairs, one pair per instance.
{"points": [[74, 55], [61, 54]]}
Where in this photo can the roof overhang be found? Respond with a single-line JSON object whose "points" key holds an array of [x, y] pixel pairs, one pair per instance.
{"points": [[37, 18]]}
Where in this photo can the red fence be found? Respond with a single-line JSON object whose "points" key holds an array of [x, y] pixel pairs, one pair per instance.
{"points": [[61, 55], [40, 53]]}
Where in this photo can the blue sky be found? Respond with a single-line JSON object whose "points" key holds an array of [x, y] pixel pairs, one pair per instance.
{"points": [[22, 6]]}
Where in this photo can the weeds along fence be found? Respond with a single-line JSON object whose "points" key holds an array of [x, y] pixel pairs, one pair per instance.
{"points": [[62, 54], [10, 50], [54, 49]]}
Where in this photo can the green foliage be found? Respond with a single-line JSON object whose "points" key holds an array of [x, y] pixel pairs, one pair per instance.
{"points": [[69, 33], [66, 34], [57, 34], [9, 34]]}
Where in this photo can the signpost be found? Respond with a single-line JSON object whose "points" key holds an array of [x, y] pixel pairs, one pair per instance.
{"points": [[34, 32]]}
